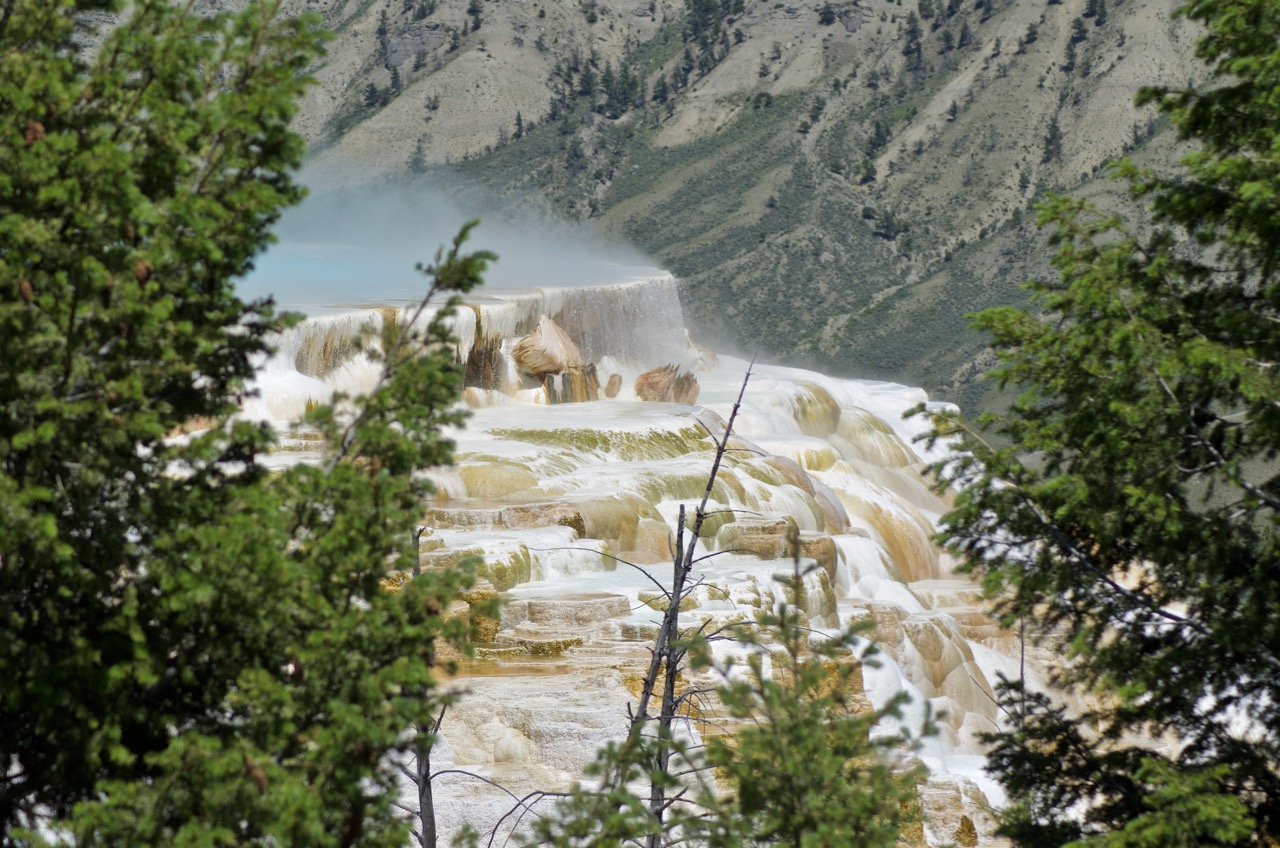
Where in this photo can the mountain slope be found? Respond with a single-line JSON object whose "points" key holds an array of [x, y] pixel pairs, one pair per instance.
{"points": [[838, 182]]}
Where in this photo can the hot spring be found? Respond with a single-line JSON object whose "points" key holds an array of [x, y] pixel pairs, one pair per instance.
{"points": [[559, 477]]}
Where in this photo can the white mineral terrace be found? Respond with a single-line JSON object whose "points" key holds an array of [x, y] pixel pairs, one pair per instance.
{"points": [[553, 495]]}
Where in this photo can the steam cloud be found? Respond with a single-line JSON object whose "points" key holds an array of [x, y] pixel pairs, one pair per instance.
{"points": [[355, 245]]}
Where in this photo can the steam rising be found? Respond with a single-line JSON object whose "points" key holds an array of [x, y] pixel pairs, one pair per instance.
{"points": [[355, 245]]}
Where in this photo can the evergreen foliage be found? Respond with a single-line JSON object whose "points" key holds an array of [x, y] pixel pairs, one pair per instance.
{"points": [[911, 48], [801, 767], [587, 82], [661, 91], [1143, 532], [704, 20], [195, 650], [1078, 31], [806, 770], [622, 89], [1052, 141]]}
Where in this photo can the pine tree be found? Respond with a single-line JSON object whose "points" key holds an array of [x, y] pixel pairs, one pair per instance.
{"points": [[587, 82], [418, 161], [1143, 537], [1078, 31], [911, 47], [703, 22], [879, 138], [194, 649], [804, 769], [630, 89], [661, 91], [609, 85], [706, 63], [1052, 142]]}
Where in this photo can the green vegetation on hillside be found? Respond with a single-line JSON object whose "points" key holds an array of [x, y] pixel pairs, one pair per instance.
{"points": [[1143, 537], [851, 221], [195, 650]]}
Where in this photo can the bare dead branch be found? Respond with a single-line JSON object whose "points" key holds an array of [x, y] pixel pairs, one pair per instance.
{"points": [[522, 804]]}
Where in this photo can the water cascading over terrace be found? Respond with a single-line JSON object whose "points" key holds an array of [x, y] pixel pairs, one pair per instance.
{"points": [[565, 473]]}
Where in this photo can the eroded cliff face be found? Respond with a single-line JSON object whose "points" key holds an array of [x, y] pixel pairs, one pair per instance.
{"points": [[460, 87], [570, 509]]}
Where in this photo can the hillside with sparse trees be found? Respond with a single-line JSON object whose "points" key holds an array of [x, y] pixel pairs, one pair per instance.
{"points": [[838, 183]]}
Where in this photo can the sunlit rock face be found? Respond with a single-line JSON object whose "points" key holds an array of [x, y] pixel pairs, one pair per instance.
{"points": [[569, 498], [667, 384]]}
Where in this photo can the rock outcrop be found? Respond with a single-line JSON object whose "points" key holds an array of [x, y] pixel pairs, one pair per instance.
{"points": [[573, 385], [667, 384], [614, 386], [549, 354], [547, 350]]}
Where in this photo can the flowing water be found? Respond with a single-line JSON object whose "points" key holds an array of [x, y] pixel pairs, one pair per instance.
{"points": [[571, 508]]}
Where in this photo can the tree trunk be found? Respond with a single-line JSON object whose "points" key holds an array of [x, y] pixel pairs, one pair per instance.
{"points": [[426, 805]]}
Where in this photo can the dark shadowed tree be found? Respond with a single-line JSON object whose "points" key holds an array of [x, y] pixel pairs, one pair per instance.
{"points": [[1134, 516], [194, 650]]}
